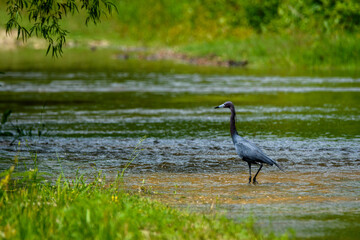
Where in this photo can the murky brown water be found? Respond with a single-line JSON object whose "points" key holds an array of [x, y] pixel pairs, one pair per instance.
{"points": [[93, 121], [314, 204], [232, 188]]}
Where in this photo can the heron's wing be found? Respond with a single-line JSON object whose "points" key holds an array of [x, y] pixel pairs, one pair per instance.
{"points": [[249, 151]]}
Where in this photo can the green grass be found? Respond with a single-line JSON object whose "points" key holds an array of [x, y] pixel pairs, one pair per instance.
{"points": [[283, 51], [31, 208]]}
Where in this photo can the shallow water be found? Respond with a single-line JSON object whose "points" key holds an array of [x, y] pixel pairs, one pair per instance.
{"points": [[93, 121]]}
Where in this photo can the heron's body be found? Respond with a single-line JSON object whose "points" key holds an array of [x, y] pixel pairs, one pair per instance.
{"points": [[246, 150]]}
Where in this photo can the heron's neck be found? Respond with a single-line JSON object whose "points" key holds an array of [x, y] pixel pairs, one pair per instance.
{"points": [[232, 122]]}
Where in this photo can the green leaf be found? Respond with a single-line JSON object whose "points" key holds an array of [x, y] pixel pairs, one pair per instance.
{"points": [[6, 134], [5, 116]]}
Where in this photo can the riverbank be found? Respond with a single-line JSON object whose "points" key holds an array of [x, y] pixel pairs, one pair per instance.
{"points": [[293, 53]]}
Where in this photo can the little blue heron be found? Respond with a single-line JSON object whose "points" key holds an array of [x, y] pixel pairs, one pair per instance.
{"points": [[247, 151]]}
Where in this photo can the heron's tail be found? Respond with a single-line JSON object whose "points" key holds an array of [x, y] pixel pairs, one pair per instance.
{"points": [[278, 166], [271, 162]]}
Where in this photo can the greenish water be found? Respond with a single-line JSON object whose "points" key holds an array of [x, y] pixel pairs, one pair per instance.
{"points": [[308, 122]]}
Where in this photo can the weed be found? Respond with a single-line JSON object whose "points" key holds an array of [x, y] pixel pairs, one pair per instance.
{"points": [[20, 130], [4, 119], [176, 187], [145, 189], [133, 155]]}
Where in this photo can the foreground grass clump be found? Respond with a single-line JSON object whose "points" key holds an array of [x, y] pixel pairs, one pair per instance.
{"points": [[34, 209]]}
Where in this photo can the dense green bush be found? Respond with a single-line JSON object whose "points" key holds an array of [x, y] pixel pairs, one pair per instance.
{"points": [[260, 13], [204, 19], [325, 15]]}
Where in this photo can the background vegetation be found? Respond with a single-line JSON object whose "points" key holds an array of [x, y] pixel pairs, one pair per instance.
{"points": [[186, 21], [275, 33]]}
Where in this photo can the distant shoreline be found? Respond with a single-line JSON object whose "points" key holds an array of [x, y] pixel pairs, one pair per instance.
{"points": [[271, 52]]}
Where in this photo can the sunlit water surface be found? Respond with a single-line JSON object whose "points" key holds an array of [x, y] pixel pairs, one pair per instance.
{"points": [[94, 121]]}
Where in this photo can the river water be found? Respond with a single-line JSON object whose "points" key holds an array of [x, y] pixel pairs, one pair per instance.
{"points": [[92, 121]]}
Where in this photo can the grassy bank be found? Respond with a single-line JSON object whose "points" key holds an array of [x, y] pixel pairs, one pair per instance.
{"points": [[104, 60], [275, 35], [284, 51], [32, 208]]}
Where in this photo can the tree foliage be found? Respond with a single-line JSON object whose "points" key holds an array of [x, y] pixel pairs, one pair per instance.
{"points": [[44, 17], [189, 20]]}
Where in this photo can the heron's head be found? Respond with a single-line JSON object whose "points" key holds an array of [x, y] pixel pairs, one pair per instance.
{"points": [[227, 104]]}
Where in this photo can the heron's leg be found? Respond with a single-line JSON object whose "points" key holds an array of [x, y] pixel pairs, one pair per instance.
{"points": [[254, 179], [249, 172]]}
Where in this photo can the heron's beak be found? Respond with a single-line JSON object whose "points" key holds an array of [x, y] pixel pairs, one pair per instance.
{"points": [[220, 106]]}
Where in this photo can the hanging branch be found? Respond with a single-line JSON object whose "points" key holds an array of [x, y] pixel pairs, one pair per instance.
{"points": [[45, 15]]}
